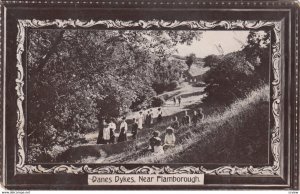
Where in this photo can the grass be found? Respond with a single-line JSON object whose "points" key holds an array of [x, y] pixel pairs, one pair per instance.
{"points": [[237, 134]]}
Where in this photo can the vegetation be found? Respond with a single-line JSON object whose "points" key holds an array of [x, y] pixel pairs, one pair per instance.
{"points": [[77, 77], [234, 75], [236, 135]]}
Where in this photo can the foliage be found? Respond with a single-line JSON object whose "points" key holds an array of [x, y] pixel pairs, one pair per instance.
{"points": [[190, 60], [157, 101], [258, 52], [234, 75], [76, 77]]}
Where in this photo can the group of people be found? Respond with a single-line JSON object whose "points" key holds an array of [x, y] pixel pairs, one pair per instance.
{"points": [[107, 132], [197, 117], [175, 100], [157, 146], [108, 135]]}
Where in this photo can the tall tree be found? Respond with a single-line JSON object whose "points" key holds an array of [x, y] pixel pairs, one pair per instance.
{"points": [[76, 77], [190, 59]]}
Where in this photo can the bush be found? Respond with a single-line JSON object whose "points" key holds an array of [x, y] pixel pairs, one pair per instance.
{"points": [[230, 77], [157, 101], [172, 86], [162, 87], [199, 84]]}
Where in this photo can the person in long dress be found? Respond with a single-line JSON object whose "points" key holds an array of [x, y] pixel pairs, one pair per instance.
{"points": [[170, 139], [100, 139], [123, 130], [134, 129], [200, 115], [179, 100], [106, 134], [195, 118], [175, 123], [148, 119], [186, 120], [112, 127], [140, 119], [159, 117], [152, 115]]}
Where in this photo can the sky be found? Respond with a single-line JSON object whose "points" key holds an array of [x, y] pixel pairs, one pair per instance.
{"points": [[229, 41]]}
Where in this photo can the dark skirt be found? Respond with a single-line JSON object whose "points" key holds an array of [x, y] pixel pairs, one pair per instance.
{"points": [[112, 137], [159, 118], [122, 136], [100, 139]]}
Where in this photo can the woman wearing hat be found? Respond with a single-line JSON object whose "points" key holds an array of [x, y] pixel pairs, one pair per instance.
{"points": [[169, 140], [100, 139], [106, 133], [123, 130], [154, 140]]}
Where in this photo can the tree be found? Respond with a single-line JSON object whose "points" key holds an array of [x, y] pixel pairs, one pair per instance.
{"points": [[230, 77], [234, 75], [190, 60], [258, 51], [76, 77]]}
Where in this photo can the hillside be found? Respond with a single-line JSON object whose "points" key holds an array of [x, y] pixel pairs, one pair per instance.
{"points": [[237, 135]]}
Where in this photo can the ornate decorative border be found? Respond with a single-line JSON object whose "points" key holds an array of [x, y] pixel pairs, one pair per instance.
{"points": [[23, 168], [153, 2]]}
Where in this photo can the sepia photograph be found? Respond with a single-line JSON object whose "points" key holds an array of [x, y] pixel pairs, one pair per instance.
{"points": [[148, 96], [134, 95]]}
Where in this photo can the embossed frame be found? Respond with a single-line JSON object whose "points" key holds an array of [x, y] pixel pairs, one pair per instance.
{"points": [[279, 174]]}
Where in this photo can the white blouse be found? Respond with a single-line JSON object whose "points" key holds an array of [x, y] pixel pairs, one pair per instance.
{"points": [[124, 124], [170, 139], [106, 133]]}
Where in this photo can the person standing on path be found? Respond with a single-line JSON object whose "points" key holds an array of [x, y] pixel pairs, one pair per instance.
{"points": [[174, 99], [123, 131], [112, 127], [134, 129], [159, 117], [200, 115], [148, 119], [106, 134], [179, 100], [186, 120], [140, 120], [100, 139], [151, 113], [195, 118]]}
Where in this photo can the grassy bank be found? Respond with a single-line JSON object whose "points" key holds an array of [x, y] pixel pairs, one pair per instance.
{"points": [[237, 135]]}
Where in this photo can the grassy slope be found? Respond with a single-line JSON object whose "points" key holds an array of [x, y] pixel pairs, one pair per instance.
{"points": [[238, 135]]}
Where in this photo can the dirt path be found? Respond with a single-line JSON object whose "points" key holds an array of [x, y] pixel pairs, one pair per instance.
{"points": [[103, 153]]}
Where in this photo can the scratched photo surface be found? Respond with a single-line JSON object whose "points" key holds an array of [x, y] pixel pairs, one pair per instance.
{"points": [[147, 96]]}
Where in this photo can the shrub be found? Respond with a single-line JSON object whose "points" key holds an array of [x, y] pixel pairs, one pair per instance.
{"points": [[172, 86], [157, 101]]}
